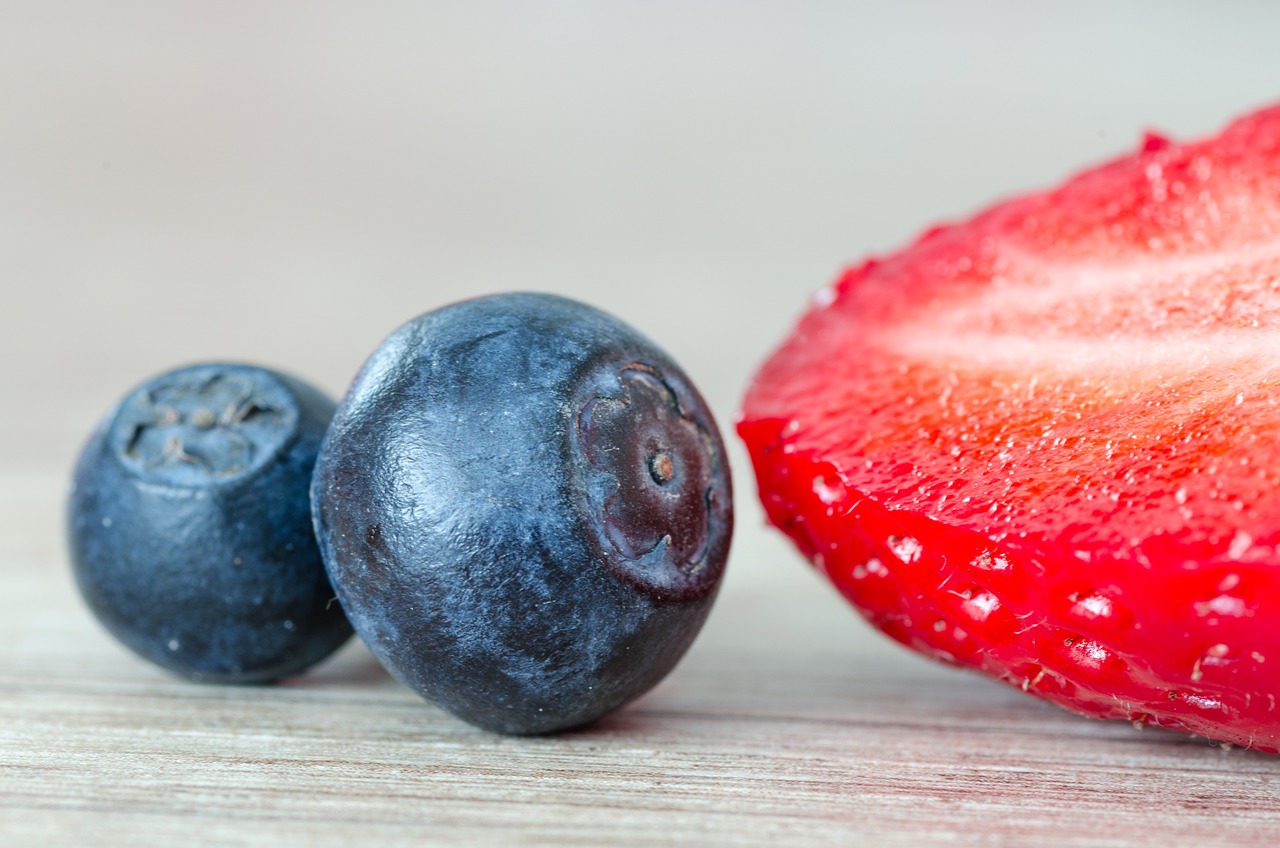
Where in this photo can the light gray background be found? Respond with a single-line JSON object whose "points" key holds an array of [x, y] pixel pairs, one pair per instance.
{"points": [[286, 182]]}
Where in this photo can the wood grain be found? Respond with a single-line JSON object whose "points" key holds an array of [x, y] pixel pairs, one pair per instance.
{"points": [[789, 723]]}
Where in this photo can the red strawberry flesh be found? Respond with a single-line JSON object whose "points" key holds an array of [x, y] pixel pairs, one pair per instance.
{"points": [[1045, 443]]}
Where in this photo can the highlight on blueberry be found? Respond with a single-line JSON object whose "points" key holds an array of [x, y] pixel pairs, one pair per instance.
{"points": [[525, 508], [189, 524]]}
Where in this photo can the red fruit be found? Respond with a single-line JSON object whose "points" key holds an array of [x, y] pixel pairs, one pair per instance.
{"points": [[1045, 443]]}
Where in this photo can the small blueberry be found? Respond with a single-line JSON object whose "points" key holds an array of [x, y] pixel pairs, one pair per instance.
{"points": [[190, 530]]}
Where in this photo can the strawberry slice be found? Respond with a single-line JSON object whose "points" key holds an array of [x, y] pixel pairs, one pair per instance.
{"points": [[1045, 443]]}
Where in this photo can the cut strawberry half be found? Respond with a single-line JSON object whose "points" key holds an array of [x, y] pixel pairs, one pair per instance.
{"points": [[1045, 443]]}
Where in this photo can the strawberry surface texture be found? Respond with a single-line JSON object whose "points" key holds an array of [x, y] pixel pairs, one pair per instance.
{"points": [[1045, 443]]}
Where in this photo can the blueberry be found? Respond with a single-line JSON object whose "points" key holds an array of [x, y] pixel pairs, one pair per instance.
{"points": [[190, 527], [525, 508]]}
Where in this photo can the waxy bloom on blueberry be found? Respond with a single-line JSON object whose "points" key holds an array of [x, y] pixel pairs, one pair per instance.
{"points": [[525, 508]]}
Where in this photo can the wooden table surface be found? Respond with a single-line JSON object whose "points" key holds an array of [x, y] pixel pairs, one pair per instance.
{"points": [[285, 183], [788, 723]]}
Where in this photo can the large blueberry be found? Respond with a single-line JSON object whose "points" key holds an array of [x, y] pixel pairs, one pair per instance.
{"points": [[525, 508], [190, 527]]}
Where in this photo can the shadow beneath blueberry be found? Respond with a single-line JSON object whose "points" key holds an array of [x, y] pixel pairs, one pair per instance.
{"points": [[351, 666], [623, 722]]}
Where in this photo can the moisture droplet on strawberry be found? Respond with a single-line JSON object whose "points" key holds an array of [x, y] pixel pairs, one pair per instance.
{"points": [[1045, 443]]}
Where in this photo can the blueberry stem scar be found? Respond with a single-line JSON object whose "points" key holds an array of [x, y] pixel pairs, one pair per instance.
{"points": [[662, 468]]}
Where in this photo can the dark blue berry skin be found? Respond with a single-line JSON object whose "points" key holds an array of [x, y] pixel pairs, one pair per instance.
{"points": [[525, 507], [190, 528]]}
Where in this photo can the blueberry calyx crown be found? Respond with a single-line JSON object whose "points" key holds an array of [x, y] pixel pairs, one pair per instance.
{"points": [[202, 425], [661, 509]]}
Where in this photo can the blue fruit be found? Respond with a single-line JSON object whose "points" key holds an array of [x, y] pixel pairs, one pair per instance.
{"points": [[525, 508], [190, 528]]}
